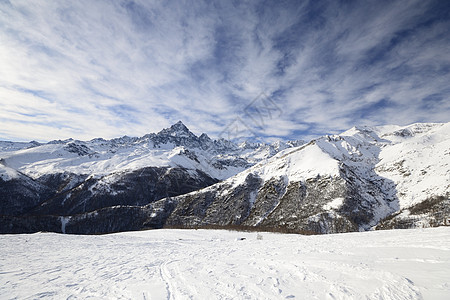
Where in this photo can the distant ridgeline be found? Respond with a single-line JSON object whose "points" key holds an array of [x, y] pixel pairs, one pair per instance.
{"points": [[365, 178]]}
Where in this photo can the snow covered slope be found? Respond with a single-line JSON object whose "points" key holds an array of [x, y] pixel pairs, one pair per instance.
{"points": [[352, 181], [172, 147], [365, 178], [82, 176], [201, 264]]}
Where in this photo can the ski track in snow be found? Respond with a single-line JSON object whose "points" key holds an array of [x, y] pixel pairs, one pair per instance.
{"points": [[201, 264]]}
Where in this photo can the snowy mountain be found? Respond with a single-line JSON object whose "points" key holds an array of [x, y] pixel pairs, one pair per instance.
{"points": [[386, 176], [72, 177], [174, 147], [365, 178]]}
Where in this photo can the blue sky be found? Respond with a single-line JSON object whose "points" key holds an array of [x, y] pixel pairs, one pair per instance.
{"points": [[272, 69]]}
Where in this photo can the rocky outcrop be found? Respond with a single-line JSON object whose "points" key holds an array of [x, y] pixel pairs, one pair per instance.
{"points": [[433, 212], [324, 204]]}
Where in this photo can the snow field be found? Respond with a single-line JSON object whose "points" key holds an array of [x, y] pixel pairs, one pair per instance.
{"points": [[203, 264]]}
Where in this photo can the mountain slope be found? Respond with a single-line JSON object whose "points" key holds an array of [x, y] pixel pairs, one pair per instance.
{"points": [[365, 178], [171, 147], [336, 183], [72, 177]]}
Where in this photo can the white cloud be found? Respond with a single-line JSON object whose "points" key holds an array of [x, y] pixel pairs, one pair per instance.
{"points": [[86, 69]]}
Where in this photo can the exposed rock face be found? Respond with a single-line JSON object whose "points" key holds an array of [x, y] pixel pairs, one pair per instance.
{"points": [[302, 207], [433, 212], [297, 205], [328, 204]]}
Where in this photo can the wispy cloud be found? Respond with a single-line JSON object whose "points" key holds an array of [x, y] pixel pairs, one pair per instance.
{"points": [[85, 69]]}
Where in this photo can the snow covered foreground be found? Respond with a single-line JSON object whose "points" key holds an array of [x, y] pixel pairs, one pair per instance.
{"points": [[201, 264]]}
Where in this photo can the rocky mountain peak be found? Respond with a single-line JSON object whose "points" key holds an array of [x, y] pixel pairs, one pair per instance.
{"points": [[177, 130], [204, 137], [179, 126], [177, 134]]}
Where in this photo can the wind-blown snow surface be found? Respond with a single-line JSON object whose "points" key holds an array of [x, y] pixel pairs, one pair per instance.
{"points": [[183, 264]]}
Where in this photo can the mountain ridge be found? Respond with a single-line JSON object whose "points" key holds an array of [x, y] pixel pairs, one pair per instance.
{"points": [[218, 155], [365, 178], [356, 181], [72, 177]]}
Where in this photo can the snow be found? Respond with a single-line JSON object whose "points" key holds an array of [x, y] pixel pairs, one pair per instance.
{"points": [[305, 163], [53, 158], [418, 164], [294, 164], [102, 157], [410, 164], [415, 158], [200, 264], [334, 204], [406, 164], [7, 174], [14, 146]]}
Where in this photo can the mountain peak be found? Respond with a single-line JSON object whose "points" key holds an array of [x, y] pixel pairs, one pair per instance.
{"points": [[179, 125], [177, 130], [204, 137]]}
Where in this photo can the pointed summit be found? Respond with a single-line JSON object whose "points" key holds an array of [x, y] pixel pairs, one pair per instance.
{"points": [[204, 137], [179, 126], [177, 129]]}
